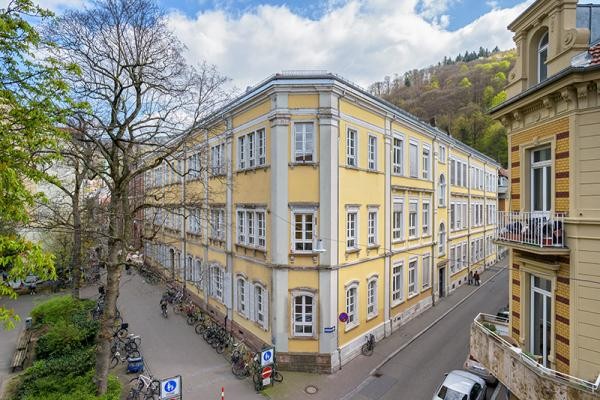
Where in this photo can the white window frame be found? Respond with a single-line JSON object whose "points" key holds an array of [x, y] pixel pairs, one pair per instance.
{"points": [[352, 306], [352, 228], [397, 283], [442, 156], [307, 153], [304, 323], [442, 240], [372, 152], [304, 240], [261, 305], [242, 296], [217, 159], [241, 152], [413, 277], [398, 152], [372, 226], [372, 293], [352, 147], [217, 282], [540, 50], [426, 167], [413, 159], [426, 211], [413, 219], [398, 225], [442, 191], [261, 147], [251, 227], [426, 271], [546, 167]]}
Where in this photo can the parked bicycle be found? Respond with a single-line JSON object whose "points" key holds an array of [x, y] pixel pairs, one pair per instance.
{"points": [[163, 306], [369, 346], [123, 357], [241, 362], [144, 387]]}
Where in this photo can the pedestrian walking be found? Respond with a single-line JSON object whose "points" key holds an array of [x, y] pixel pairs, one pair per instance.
{"points": [[470, 278], [476, 278]]}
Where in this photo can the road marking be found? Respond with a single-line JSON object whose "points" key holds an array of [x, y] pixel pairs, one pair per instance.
{"points": [[415, 337]]}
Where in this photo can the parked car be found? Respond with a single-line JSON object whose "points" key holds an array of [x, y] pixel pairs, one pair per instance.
{"points": [[461, 385], [478, 369], [503, 313]]}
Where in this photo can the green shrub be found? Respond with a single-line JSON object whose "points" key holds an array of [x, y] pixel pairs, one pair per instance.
{"points": [[59, 309], [75, 363], [490, 327], [70, 387]]}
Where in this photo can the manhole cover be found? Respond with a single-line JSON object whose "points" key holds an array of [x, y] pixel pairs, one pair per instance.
{"points": [[310, 389]]}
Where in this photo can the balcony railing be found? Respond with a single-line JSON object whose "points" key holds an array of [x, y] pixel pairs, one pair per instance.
{"points": [[540, 229], [519, 371]]}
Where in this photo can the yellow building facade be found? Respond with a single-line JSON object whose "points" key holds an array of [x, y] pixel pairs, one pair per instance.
{"points": [[316, 214]]}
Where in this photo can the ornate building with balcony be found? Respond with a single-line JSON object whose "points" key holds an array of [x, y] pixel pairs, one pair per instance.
{"points": [[551, 348]]}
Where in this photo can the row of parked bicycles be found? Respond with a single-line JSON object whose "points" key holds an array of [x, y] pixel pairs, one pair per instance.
{"points": [[244, 362]]}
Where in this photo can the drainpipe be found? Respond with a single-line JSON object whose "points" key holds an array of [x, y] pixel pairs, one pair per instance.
{"points": [[470, 219], [434, 206], [183, 225]]}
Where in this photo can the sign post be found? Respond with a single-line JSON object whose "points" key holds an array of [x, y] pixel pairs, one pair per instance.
{"points": [[170, 388], [266, 375]]}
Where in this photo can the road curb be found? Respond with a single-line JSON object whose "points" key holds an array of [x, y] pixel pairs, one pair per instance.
{"points": [[418, 335]]}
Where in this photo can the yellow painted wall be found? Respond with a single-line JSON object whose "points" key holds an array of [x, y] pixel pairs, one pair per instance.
{"points": [[303, 101], [260, 109]]}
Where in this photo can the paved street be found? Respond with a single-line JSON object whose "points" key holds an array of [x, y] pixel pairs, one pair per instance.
{"points": [[171, 347], [415, 372]]}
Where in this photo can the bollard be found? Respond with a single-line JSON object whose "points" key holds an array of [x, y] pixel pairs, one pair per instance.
{"points": [[222, 393]]}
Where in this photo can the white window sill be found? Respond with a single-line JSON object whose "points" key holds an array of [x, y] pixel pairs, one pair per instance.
{"points": [[397, 302], [352, 250], [425, 288], [371, 316], [348, 328], [302, 337], [412, 295]]}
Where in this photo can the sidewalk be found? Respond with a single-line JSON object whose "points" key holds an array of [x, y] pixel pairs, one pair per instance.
{"points": [[345, 381]]}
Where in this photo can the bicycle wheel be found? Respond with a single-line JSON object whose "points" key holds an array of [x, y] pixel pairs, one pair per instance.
{"points": [[191, 319], [367, 349], [134, 394], [257, 379], [239, 371], [114, 361], [130, 346], [277, 377], [200, 328], [220, 348], [122, 333]]}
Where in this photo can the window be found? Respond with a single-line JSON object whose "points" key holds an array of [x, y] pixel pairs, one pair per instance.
{"points": [[464, 255], [397, 220], [217, 154], [251, 227], [351, 229], [452, 259], [442, 191], [189, 264], [398, 158], [372, 297], [216, 273], [251, 139], [351, 147], [412, 277], [262, 159], [242, 152], [412, 218], [426, 161], [241, 296], [541, 179], [372, 228], [372, 150], [458, 257], [303, 231], [453, 172], [397, 283], [217, 230], [352, 306], [425, 218], [197, 273], [426, 271], [452, 215], [413, 159], [303, 315], [442, 243], [261, 305], [442, 153], [194, 218], [542, 56], [303, 142]]}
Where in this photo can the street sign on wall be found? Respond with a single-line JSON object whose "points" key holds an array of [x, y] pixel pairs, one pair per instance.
{"points": [[267, 356]]}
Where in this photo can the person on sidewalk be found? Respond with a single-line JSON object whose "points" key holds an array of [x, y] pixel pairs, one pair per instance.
{"points": [[476, 278], [470, 281]]}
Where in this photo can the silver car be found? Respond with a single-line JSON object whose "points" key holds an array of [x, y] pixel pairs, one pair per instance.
{"points": [[461, 385]]}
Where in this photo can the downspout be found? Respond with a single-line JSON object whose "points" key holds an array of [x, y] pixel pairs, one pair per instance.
{"points": [[471, 217], [434, 206]]}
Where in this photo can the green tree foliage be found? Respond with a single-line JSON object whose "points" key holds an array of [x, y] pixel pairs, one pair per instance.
{"points": [[33, 104], [458, 93]]}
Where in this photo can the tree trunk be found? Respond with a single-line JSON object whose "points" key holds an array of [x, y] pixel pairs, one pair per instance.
{"points": [[76, 256]]}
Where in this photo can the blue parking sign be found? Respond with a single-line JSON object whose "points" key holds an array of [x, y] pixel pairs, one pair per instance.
{"points": [[170, 388], [267, 356]]}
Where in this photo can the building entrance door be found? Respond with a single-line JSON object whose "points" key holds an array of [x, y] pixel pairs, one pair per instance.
{"points": [[442, 281], [541, 318]]}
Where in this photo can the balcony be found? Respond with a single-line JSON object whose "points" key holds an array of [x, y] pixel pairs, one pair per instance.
{"points": [[518, 371], [538, 232]]}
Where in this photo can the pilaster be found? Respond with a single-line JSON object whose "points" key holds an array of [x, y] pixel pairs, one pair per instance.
{"points": [[387, 228]]}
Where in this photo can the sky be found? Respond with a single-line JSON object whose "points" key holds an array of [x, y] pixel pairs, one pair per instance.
{"points": [[362, 40]]}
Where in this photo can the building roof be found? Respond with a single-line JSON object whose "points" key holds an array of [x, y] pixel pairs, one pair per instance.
{"points": [[323, 78]]}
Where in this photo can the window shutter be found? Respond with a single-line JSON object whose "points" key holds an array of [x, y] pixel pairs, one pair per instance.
{"points": [[266, 306], [250, 312], [227, 289], [236, 295]]}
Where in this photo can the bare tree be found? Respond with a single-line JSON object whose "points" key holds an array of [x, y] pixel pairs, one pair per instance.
{"points": [[144, 101]]}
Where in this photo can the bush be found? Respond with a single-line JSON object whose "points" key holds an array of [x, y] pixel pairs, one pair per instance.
{"points": [[57, 387], [59, 309]]}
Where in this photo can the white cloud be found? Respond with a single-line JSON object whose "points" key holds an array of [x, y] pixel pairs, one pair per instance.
{"points": [[362, 40]]}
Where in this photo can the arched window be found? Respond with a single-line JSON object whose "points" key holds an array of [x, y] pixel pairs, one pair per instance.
{"points": [[442, 191], [542, 56], [216, 282], [372, 297], [352, 305], [303, 314], [242, 296], [442, 242]]}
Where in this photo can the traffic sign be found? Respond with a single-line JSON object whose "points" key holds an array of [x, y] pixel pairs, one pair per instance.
{"points": [[343, 317], [170, 388], [266, 372], [267, 356], [329, 329]]}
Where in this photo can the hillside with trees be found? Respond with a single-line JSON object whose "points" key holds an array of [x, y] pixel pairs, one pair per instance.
{"points": [[455, 95]]}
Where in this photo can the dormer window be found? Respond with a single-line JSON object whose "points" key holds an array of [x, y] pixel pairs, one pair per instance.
{"points": [[542, 57]]}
